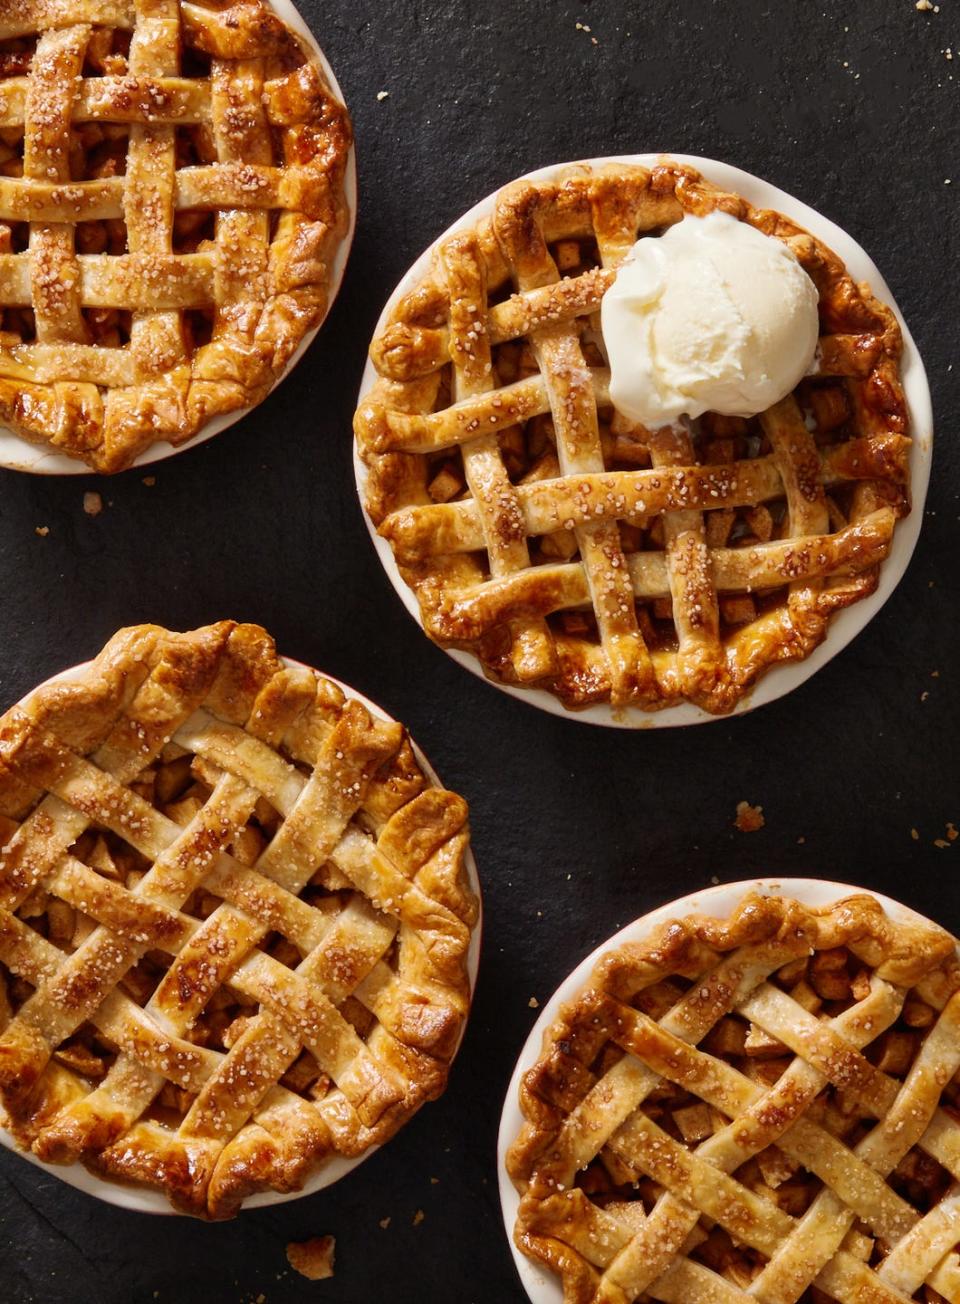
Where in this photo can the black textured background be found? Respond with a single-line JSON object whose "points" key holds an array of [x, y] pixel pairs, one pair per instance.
{"points": [[852, 108]]}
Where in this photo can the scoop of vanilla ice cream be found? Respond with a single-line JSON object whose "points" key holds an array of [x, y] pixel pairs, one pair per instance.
{"points": [[714, 316]]}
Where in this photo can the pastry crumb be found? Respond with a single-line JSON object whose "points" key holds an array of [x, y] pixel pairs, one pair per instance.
{"points": [[952, 832], [92, 504], [434, 1181], [42, 530], [749, 818], [942, 843], [418, 1217], [927, 7], [533, 1003], [914, 833], [385, 1223], [313, 1259], [149, 481], [383, 95]]}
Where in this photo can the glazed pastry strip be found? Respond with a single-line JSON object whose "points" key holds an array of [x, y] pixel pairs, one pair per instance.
{"points": [[28, 17], [54, 274], [637, 497], [241, 134], [915, 1259], [693, 592], [107, 281], [796, 455], [494, 496], [214, 186], [176, 100], [156, 337], [573, 406], [553, 588]]}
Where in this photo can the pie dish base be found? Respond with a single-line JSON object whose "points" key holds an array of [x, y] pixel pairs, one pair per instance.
{"points": [[846, 624], [541, 1286], [144, 1200]]}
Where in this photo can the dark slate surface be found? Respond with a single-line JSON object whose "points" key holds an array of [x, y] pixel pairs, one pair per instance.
{"points": [[850, 107]]}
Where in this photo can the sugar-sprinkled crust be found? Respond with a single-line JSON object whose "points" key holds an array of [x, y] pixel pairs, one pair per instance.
{"points": [[234, 919], [571, 551], [166, 239], [755, 1108]]}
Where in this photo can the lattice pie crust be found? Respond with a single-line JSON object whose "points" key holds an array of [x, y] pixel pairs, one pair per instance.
{"points": [[234, 920], [171, 199], [762, 1108], [571, 551]]}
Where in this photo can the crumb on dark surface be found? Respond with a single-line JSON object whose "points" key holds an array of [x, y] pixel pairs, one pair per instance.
{"points": [[312, 1258], [749, 818]]}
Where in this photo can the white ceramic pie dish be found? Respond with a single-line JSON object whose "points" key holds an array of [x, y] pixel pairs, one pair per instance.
{"points": [[145, 1200], [846, 624], [543, 1287], [17, 454]]}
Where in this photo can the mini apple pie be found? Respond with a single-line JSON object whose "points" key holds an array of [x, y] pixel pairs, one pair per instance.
{"points": [[234, 920], [573, 550], [171, 200], [763, 1108]]}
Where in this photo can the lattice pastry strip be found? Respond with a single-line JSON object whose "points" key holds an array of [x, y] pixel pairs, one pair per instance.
{"points": [[486, 475], [173, 1044], [156, 337], [607, 1097], [693, 595], [573, 407], [54, 274], [798, 507], [182, 210]]}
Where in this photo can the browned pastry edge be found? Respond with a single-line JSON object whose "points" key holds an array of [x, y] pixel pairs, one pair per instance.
{"points": [[232, 669], [253, 341], [906, 954], [411, 350]]}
